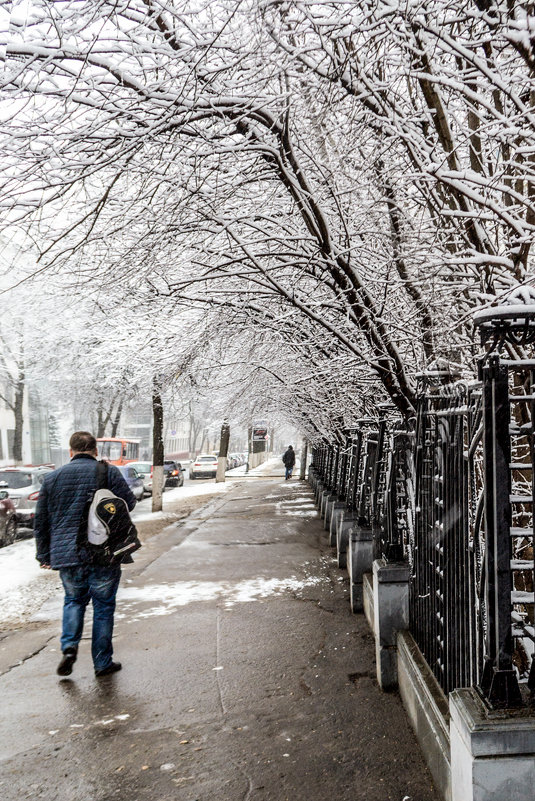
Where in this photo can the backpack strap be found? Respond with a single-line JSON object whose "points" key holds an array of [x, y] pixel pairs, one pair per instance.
{"points": [[102, 475]]}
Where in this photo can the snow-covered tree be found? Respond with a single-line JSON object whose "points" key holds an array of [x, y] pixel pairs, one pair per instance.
{"points": [[342, 182]]}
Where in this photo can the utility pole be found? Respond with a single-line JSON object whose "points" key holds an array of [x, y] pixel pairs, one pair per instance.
{"points": [[157, 447], [223, 453]]}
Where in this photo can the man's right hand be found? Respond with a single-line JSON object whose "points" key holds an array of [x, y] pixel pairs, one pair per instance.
{"points": [[45, 567]]}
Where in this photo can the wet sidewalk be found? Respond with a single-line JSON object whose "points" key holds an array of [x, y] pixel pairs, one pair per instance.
{"points": [[245, 677]]}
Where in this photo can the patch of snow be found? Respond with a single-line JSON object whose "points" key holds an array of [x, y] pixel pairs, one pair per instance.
{"points": [[171, 596], [294, 513], [25, 585], [143, 508], [307, 509], [17, 564], [305, 500]]}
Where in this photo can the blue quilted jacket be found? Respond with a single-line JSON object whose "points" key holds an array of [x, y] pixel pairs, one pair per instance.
{"points": [[61, 503]]}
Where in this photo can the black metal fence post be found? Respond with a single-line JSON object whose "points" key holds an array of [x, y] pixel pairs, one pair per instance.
{"points": [[396, 511], [354, 470], [499, 682]]}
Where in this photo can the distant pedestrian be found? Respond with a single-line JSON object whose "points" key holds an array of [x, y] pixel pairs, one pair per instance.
{"points": [[60, 509], [289, 461]]}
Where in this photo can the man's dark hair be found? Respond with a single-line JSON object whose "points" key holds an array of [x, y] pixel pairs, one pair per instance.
{"points": [[82, 442]]}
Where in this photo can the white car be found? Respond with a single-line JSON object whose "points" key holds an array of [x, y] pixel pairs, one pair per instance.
{"points": [[24, 484], [204, 466], [144, 470]]}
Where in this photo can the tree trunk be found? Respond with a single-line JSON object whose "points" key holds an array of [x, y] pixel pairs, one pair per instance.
{"points": [[117, 418], [18, 411], [249, 448], [101, 422], [223, 452], [157, 449], [272, 441], [303, 468], [192, 436]]}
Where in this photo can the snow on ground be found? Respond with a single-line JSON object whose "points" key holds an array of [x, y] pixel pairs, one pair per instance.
{"points": [[18, 565], [163, 599], [24, 586], [266, 467], [143, 508]]}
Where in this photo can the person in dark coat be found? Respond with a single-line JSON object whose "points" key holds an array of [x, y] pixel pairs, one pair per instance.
{"points": [[60, 508], [289, 461]]}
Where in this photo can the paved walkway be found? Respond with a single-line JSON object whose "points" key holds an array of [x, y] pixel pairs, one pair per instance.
{"points": [[245, 678]]}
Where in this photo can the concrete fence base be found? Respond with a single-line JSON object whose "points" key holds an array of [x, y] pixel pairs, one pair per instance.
{"points": [[359, 562], [334, 508], [326, 496], [344, 522], [427, 708], [492, 753], [474, 754], [390, 615]]}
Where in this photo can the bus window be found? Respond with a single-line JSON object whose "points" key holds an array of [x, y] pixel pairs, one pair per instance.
{"points": [[132, 451], [118, 451], [111, 451]]}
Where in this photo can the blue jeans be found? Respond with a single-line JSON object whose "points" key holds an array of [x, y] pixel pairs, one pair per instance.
{"points": [[82, 584], [289, 471]]}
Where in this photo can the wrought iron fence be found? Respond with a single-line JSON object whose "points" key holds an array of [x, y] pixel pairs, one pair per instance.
{"points": [[445, 552], [452, 494]]}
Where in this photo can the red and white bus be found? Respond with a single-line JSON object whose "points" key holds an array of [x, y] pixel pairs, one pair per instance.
{"points": [[118, 450]]}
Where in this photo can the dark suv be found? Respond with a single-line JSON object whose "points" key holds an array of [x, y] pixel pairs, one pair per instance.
{"points": [[173, 473]]}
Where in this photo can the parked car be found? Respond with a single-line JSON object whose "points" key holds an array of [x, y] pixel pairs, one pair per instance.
{"points": [[8, 519], [24, 484], [174, 473], [204, 466], [144, 470], [232, 461], [133, 479]]}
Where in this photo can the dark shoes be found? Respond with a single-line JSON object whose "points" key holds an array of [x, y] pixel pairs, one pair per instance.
{"points": [[69, 658], [113, 668]]}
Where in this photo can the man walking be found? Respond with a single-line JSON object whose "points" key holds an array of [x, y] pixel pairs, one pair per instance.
{"points": [[289, 461], [59, 512]]}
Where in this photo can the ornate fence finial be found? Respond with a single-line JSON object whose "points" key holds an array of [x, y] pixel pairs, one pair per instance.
{"points": [[512, 320]]}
